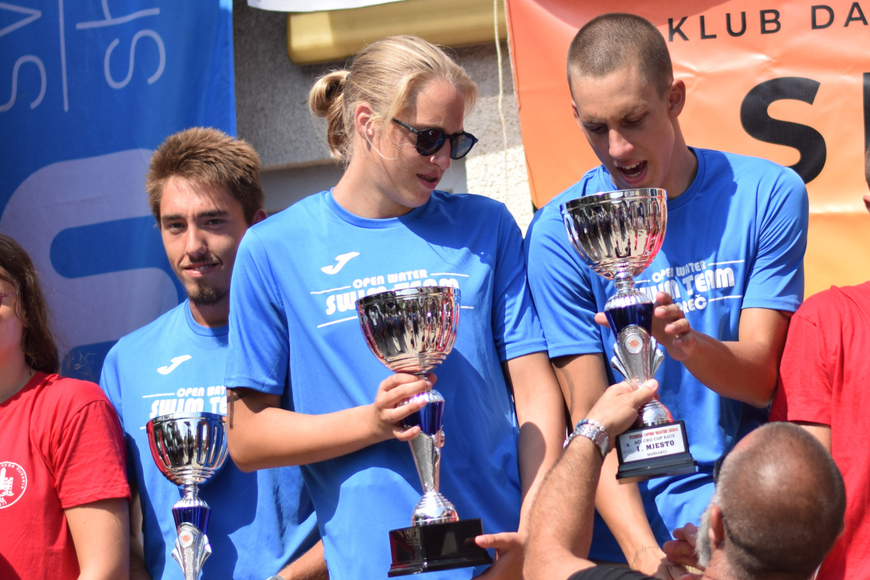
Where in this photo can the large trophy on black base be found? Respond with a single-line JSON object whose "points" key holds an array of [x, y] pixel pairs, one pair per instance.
{"points": [[618, 233], [188, 449], [413, 330]]}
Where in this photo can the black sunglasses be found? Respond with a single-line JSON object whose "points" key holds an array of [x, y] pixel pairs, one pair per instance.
{"points": [[430, 141], [717, 466]]}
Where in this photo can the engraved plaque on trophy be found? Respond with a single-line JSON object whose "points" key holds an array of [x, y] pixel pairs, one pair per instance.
{"points": [[413, 330], [618, 233], [188, 449]]}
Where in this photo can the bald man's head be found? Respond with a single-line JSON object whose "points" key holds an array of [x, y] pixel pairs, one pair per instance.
{"points": [[782, 502]]}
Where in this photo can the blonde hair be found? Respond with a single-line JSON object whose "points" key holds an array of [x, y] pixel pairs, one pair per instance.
{"points": [[388, 75]]}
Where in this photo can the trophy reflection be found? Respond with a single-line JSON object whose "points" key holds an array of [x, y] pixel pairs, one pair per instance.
{"points": [[412, 331], [618, 233], [188, 449]]}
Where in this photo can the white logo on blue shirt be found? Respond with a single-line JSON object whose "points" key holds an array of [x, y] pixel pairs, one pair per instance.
{"points": [[341, 260], [175, 362]]}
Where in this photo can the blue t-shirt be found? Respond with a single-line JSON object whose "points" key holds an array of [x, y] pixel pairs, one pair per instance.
{"points": [[294, 331], [735, 239], [259, 521]]}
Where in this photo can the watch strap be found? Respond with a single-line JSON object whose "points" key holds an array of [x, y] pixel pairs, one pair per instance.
{"points": [[594, 431]]}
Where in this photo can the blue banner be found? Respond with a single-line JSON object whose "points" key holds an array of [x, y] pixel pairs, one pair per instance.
{"points": [[87, 91]]}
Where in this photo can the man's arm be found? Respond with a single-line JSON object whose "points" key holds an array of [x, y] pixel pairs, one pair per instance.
{"points": [[745, 369], [100, 533], [541, 421], [558, 521], [261, 434], [309, 566], [584, 380]]}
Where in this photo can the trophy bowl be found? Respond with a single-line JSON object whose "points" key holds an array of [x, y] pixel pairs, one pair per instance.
{"points": [[188, 448], [617, 233], [410, 330]]}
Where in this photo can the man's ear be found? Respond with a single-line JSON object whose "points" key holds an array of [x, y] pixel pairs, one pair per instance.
{"points": [[676, 95], [259, 216], [716, 532], [576, 113]]}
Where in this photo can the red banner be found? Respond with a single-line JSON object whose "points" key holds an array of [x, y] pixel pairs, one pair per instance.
{"points": [[786, 81]]}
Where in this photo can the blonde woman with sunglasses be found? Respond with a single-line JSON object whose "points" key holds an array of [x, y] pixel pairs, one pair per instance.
{"points": [[304, 388]]}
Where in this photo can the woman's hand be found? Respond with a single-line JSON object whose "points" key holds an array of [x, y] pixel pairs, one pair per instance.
{"points": [[390, 406]]}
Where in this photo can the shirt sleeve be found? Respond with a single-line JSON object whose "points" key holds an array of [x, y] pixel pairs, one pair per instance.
{"points": [[259, 347], [110, 382], [562, 287], [516, 327], [777, 277], [89, 459]]}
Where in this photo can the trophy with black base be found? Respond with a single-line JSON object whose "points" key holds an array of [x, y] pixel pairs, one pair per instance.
{"points": [[412, 331], [618, 233], [189, 448]]}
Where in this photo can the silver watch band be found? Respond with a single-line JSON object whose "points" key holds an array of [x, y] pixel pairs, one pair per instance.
{"points": [[594, 431]]}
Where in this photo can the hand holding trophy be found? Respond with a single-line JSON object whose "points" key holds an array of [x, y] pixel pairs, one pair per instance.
{"points": [[413, 331], [618, 233], [189, 448]]}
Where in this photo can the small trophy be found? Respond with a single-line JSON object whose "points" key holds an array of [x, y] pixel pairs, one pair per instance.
{"points": [[188, 449], [618, 233], [413, 330]]}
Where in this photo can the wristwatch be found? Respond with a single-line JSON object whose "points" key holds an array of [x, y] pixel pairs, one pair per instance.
{"points": [[594, 431], [275, 577]]}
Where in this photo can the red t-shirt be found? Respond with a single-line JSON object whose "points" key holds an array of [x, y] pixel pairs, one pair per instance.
{"points": [[823, 379], [61, 446]]}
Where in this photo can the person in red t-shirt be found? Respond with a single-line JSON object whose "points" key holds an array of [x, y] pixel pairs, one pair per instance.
{"points": [[63, 488], [822, 388]]}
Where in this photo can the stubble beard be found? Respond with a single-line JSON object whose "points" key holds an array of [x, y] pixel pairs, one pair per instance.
{"points": [[702, 540], [203, 294]]}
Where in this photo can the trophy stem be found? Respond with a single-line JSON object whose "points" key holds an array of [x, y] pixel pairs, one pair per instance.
{"points": [[192, 549], [624, 282], [433, 507]]}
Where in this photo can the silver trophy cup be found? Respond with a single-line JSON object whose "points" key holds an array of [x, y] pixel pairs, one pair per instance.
{"points": [[412, 331], [617, 234], [189, 448]]}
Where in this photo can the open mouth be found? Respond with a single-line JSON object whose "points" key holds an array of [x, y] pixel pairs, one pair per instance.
{"points": [[633, 171], [427, 178]]}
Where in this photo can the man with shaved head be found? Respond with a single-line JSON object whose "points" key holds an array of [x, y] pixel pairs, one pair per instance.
{"points": [[725, 282], [777, 509]]}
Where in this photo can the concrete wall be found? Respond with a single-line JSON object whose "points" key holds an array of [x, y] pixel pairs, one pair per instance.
{"points": [[272, 114]]}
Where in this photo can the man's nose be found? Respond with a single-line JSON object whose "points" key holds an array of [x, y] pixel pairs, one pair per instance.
{"points": [[619, 146]]}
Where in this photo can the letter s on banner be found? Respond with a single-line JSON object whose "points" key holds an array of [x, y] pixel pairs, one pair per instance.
{"points": [[57, 212]]}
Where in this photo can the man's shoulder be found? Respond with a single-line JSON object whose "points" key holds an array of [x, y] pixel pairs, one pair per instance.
{"points": [[746, 166], [154, 330]]}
